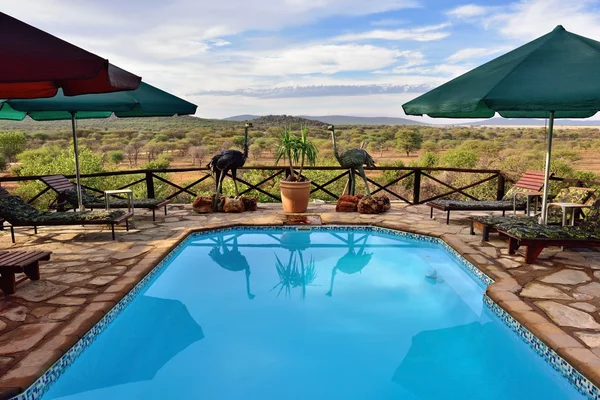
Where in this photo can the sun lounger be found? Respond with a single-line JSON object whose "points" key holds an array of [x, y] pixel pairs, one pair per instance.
{"points": [[14, 262], [576, 195], [530, 182], [536, 237], [67, 195], [17, 212]]}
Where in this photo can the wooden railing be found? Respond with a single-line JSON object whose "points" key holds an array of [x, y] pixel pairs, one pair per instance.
{"points": [[414, 196]]}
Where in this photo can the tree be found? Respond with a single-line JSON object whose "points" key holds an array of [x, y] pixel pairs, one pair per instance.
{"points": [[429, 146], [459, 158], [116, 156], [133, 150], [409, 140], [255, 150], [11, 144], [197, 153], [183, 146]]}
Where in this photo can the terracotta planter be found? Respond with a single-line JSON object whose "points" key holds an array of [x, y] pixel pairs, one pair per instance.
{"points": [[295, 196]]}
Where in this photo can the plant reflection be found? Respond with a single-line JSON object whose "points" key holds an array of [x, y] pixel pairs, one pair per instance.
{"points": [[295, 273]]}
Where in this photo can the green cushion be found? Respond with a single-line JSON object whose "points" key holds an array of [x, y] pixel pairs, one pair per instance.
{"points": [[95, 202], [15, 209], [501, 205]]}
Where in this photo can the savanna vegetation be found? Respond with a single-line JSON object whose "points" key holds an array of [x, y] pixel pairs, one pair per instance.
{"points": [[38, 148]]}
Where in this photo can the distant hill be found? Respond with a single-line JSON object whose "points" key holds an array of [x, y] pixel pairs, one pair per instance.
{"points": [[281, 120], [342, 120], [532, 122]]}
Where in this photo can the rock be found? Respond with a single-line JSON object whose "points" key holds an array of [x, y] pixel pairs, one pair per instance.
{"points": [[592, 289], [203, 204], [233, 205], [15, 313], [347, 203], [584, 306], [373, 205], [24, 337], [568, 316], [567, 277], [590, 339], [536, 290], [250, 203], [37, 291]]}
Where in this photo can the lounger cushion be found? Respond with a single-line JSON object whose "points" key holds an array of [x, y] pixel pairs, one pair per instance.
{"points": [[94, 202], [15, 210], [501, 205], [495, 220]]}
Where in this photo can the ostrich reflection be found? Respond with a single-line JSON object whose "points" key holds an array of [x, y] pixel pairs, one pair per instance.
{"points": [[231, 260], [351, 262]]}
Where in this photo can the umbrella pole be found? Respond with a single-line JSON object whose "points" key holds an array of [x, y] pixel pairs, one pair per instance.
{"points": [[547, 170], [77, 173]]}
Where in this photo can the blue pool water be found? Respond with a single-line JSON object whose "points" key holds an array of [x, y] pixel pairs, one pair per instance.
{"points": [[276, 314]]}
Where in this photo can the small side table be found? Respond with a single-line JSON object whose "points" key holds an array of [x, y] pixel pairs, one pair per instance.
{"points": [[128, 192], [530, 195], [565, 207]]}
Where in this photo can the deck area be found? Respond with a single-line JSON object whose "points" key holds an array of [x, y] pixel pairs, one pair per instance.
{"points": [[557, 298]]}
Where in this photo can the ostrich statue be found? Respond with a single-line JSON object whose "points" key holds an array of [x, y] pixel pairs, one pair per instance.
{"points": [[353, 159], [228, 160], [232, 260], [351, 262]]}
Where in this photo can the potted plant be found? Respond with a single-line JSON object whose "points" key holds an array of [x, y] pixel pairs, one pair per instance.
{"points": [[297, 150]]}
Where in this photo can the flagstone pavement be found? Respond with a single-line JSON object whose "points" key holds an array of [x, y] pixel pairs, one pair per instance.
{"points": [[557, 298]]}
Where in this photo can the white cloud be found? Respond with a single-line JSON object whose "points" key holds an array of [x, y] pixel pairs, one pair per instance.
{"points": [[474, 53], [445, 70], [422, 34], [389, 22], [468, 11]]}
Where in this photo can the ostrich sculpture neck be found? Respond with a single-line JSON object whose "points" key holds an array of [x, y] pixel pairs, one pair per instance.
{"points": [[335, 150], [246, 142]]}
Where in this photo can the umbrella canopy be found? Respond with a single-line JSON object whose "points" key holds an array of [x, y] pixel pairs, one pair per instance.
{"points": [[145, 101], [554, 76], [35, 64]]}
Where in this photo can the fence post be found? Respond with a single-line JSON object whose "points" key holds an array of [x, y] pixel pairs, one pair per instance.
{"points": [[501, 186], [417, 187], [150, 184]]}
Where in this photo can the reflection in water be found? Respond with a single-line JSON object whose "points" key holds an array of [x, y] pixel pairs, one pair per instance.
{"points": [[352, 262], [165, 331], [295, 273], [231, 260]]}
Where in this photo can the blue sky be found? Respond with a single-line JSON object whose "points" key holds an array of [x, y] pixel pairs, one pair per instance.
{"points": [[317, 57]]}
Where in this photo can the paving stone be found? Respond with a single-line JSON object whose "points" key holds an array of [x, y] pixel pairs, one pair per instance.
{"points": [[539, 291], [67, 301], [80, 291], [37, 291], [590, 339], [62, 313], [24, 337], [39, 312], [4, 361], [14, 313], [91, 267], [102, 280], [567, 277], [508, 263], [2, 325], [592, 289], [70, 277], [116, 270], [568, 316], [584, 307], [582, 296]]}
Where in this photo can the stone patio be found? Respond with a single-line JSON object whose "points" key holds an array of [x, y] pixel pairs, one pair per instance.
{"points": [[558, 298]]}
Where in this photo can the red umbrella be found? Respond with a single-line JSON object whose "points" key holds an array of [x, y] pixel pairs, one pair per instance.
{"points": [[35, 64]]}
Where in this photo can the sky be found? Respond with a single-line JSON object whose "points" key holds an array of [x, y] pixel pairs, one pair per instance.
{"points": [[302, 57]]}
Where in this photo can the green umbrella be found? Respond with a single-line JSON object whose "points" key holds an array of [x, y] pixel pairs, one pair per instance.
{"points": [[554, 76], [146, 101]]}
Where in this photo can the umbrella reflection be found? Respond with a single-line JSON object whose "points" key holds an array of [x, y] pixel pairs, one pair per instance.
{"points": [[353, 261], [231, 260]]}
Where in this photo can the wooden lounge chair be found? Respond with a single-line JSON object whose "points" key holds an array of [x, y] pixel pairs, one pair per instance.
{"points": [[67, 196], [537, 237], [17, 212], [531, 182], [14, 262], [576, 195]]}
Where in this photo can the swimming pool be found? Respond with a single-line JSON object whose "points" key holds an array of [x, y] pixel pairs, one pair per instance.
{"points": [[322, 314]]}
